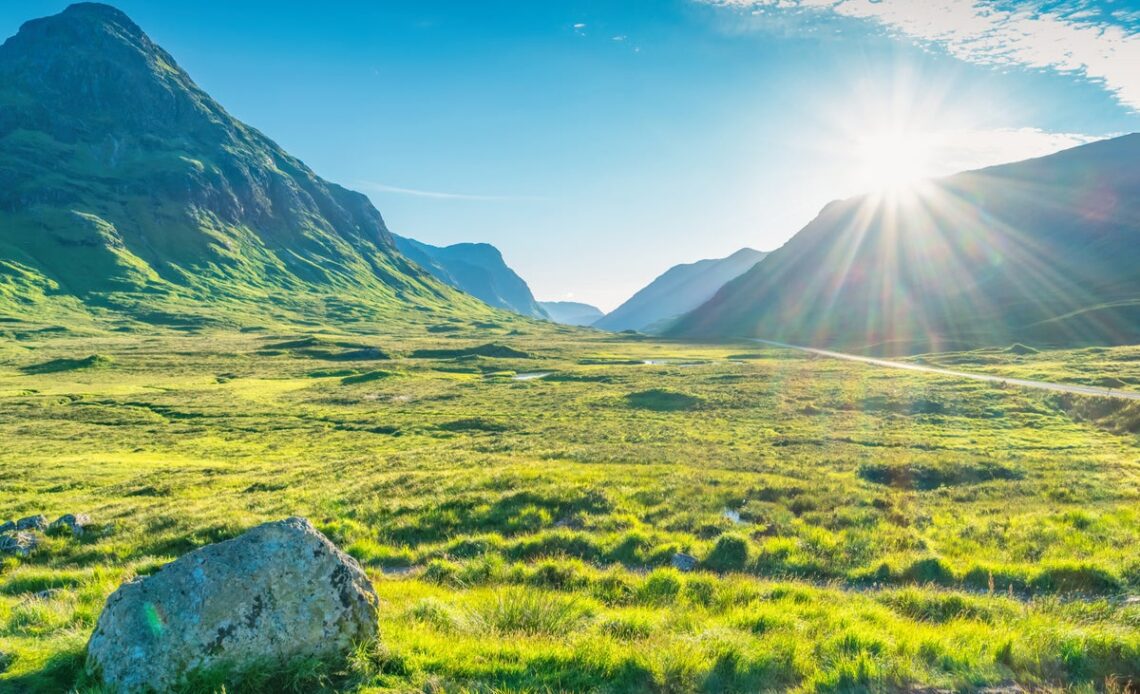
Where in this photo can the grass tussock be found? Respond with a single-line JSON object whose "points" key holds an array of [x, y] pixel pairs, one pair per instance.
{"points": [[852, 530]]}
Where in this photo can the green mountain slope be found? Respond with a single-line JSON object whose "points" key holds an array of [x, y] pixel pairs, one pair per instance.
{"points": [[475, 268], [125, 187], [571, 312], [679, 290], [1045, 251]]}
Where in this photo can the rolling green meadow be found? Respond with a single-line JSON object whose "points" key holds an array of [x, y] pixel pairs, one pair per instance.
{"points": [[517, 492]]}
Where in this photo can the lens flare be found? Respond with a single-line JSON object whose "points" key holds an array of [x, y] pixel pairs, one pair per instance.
{"points": [[893, 161]]}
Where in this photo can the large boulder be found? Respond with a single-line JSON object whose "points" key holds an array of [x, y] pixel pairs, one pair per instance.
{"points": [[279, 591]]}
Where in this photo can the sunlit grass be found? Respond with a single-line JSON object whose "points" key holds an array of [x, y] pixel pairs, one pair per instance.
{"points": [[887, 529]]}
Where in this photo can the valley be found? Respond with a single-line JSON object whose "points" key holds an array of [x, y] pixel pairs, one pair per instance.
{"points": [[852, 526], [255, 441]]}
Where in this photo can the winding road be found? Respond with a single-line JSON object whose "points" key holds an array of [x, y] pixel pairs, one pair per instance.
{"points": [[1040, 385]]}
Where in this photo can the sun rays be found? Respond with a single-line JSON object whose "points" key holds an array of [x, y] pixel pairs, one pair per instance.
{"points": [[893, 161]]}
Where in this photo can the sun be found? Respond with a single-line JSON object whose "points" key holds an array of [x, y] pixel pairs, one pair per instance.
{"points": [[893, 161]]}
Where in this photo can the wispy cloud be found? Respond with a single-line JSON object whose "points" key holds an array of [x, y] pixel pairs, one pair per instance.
{"points": [[944, 152], [1077, 37], [962, 150], [374, 187]]}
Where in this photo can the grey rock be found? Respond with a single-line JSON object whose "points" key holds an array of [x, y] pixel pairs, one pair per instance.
{"points": [[7, 527], [20, 544], [280, 591], [684, 562], [39, 522], [76, 523]]}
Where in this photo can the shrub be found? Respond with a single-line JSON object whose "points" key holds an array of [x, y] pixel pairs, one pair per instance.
{"points": [[1074, 578], [929, 570], [613, 589], [442, 572], [730, 553], [558, 575], [926, 475], [661, 586], [700, 590], [661, 400], [928, 606]]}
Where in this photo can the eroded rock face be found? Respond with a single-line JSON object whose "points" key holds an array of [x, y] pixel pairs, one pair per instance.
{"points": [[279, 591]]}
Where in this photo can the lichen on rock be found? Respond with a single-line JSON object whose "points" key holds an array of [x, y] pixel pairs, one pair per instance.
{"points": [[280, 591]]}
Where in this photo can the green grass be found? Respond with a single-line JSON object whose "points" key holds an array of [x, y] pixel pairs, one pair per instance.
{"points": [[885, 530]]}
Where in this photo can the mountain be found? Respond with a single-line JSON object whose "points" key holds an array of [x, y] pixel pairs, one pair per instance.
{"points": [[679, 290], [571, 312], [1045, 251], [125, 187], [475, 268]]}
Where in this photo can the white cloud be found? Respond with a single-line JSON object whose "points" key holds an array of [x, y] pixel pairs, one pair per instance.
{"points": [[963, 150], [938, 153], [1069, 40]]}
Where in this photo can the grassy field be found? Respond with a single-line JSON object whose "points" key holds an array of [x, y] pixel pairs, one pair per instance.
{"points": [[517, 493]]}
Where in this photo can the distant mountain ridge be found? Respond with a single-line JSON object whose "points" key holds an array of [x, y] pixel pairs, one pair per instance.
{"points": [[1044, 251], [124, 186], [477, 269], [571, 312], [677, 291]]}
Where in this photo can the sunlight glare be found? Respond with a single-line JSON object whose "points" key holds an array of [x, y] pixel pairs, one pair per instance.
{"points": [[893, 161]]}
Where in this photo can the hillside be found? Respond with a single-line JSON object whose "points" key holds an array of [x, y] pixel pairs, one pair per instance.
{"points": [[571, 312], [475, 268], [1043, 252], [125, 187], [679, 290]]}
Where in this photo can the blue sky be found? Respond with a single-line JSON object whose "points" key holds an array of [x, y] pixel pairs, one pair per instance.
{"points": [[597, 143]]}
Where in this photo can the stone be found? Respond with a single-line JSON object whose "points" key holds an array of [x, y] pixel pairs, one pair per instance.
{"points": [[280, 591], [20, 544], [75, 523], [39, 522], [7, 527], [684, 562]]}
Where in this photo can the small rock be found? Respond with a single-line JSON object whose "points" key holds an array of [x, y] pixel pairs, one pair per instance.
{"points": [[1132, 600], [39, 522], [7, 527], [76, 523], [278, 592], [684, 562], [20, 544]]}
